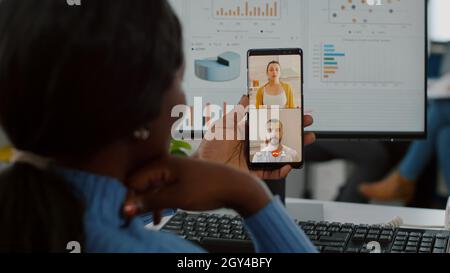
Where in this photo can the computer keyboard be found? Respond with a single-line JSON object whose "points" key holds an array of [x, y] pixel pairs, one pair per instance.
{"points": [[227, 234]]}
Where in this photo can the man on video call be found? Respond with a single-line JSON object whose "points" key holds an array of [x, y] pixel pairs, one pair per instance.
{"points": [[274, 151]]}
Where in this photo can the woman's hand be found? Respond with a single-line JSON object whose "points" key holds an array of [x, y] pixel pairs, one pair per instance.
{"points": [[193, 185], [232, 152]]}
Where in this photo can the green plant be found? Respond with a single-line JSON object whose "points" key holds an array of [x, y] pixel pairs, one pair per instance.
{"points": [[180, 148]]}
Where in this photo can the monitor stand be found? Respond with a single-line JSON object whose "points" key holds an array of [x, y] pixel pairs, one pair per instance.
{"points": [[278, 188], [300, 211]]}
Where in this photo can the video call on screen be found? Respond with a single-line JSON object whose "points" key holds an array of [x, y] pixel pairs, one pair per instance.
{"points": [[275, 113]]}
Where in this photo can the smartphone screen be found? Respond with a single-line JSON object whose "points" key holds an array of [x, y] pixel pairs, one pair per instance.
{"points": [[275, 116]]}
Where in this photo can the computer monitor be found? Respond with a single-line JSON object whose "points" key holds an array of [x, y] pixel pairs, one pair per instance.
{"points": [[364, 61]]}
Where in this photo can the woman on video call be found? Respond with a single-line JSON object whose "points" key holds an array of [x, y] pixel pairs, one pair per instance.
{"points": [[275, 92]]}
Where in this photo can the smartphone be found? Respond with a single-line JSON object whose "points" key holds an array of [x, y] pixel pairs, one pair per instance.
{"points": [[275, 115]]}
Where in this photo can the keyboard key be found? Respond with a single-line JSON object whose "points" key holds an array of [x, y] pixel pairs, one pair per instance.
{"points": [[388, 229], [194, 239], [346, 230], [348, 225], [330, 249], [225, 231], [426, 244], [397, 248], [411, 249], [442, 236], [425, 250], [372, 237], [189, 228], [374, 231], [201, 229], [352, 250], [226, 236], [214, 225], [191, 233], [213, 230], [225, 226], [413, 239], [323, 224], [414, 244], [359, 237], [323, 233], [415, 234], [438, 250], [336, 237], [336, 224], [172, 227], [440, 243], [427, 240], [402, 233], [334, 229], [385, 239], [236, 232], [361, 231]]}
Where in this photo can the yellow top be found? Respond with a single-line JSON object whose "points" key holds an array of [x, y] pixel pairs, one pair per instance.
{"points": [[289, 95], [5, 154]]}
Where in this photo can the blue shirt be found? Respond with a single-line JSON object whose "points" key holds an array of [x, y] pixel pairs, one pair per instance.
{"points": [[271, 229]]}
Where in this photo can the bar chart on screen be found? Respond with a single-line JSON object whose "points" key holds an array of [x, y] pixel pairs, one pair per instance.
{"points": [[247, 9], [351, 61]]}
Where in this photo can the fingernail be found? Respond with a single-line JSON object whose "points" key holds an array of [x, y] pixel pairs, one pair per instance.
{"points": [[130, 210]]}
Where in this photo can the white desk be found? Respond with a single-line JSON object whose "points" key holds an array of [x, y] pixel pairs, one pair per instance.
{"points": [[356, 213], [369, 214]]}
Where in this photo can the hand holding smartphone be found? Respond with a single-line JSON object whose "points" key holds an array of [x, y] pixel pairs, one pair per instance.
{"points": [[275, 118]]}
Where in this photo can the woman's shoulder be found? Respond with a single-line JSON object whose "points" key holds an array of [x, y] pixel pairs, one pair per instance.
{"points": [[262, 88], [285, 85]]}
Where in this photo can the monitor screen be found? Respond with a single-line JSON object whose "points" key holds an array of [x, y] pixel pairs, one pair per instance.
{"points": [[364, 61], [439, 20]]}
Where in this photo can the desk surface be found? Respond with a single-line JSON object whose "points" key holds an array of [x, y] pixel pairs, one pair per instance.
{"points": [[358, 213], [370, 214]]}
